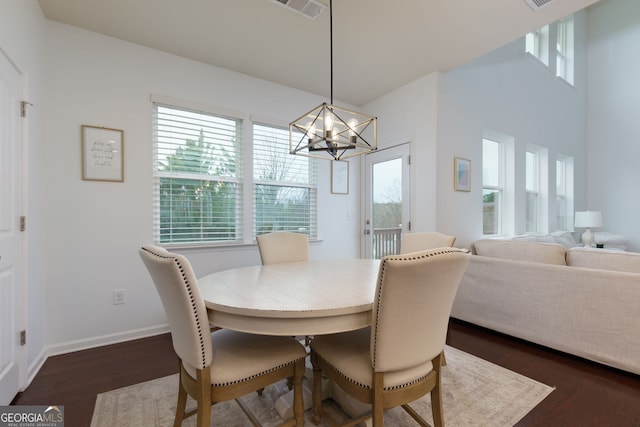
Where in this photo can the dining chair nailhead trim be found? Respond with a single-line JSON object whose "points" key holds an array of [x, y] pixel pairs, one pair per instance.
{"points": [[408, 257], [369, 386], [191, 300], [195, 312], [258, 374]]}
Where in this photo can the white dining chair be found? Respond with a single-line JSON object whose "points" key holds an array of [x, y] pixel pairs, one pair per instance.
{"points": [[283, 246], [397, 359], [223, 365], [412, 242]]}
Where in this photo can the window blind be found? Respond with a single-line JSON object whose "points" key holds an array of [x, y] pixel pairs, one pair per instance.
{"points": [[197, 176], [284, 185]]}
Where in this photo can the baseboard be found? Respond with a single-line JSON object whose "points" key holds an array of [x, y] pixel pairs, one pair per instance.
{"points": [[34, 368], [99, 341]]}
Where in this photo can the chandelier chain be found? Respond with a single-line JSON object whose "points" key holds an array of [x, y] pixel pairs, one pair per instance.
{"points": [[331, 44], [332, 132]]}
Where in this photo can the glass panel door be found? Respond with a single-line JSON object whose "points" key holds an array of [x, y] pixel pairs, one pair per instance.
{"points": [[387, 201]]}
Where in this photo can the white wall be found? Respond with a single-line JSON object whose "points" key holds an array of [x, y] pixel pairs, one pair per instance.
{"points": [[21, 35], [510, 92], [94, 229], [408, 114], [444, 115], [613, 125]]}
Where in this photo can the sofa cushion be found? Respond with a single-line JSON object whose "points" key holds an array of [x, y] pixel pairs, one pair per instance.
{"points": [[540, 238], [604, 259], [521, 250], [564, 238]]}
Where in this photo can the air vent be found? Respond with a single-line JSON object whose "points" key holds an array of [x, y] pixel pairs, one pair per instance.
{"points": [[537, 4], [309, 8]]}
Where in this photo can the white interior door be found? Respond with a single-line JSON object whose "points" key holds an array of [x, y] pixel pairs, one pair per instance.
{"points": [[387, 200], [10, 241]]}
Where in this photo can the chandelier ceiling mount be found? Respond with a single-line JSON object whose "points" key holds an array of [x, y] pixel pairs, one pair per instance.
{"points": [[332, 132]]}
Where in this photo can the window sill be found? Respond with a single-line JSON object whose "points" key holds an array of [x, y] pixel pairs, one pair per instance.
{"points": [[217, 247]]}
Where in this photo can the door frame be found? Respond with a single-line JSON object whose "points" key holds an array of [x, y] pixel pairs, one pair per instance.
{"points": [[402, 150], [15, 370]]}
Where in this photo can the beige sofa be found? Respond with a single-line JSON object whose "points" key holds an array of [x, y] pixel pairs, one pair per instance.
{"points": [[581, 301]]}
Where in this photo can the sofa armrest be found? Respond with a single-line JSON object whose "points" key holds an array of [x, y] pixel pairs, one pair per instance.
{"points": [[604, 259], [587, 312]]}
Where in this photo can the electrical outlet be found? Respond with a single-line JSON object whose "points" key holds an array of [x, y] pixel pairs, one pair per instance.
{"points": [[118, 296]]}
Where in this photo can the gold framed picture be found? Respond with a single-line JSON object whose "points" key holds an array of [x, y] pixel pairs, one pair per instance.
{"points": [[102, 154], [461, 174]]}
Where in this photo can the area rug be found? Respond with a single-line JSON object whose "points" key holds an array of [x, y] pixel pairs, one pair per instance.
{"points": [[475, 393]]}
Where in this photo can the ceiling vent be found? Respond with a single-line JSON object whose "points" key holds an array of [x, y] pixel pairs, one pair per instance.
{"points": [[309, 8], [537, 4]]}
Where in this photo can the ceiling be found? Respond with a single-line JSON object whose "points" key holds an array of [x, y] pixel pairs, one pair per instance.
{"points": [[379, 45]]}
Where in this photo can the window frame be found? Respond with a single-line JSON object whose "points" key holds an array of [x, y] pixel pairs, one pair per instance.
{"points": [[245, 202], [532, 191], [498, 188], [565, 194], [556, 55], [311, 184], [565, 48], [537, 44]]}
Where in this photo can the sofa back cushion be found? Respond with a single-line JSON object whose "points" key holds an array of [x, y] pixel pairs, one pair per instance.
{"points": [[604, 259], [521, 250], [564, 238]]}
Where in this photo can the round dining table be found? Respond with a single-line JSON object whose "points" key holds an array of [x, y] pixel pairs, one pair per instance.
{"points": [[302, 298]]}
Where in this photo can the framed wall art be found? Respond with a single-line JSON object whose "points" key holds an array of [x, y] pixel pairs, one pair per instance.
{"points": [[339, 177], [102, 154], [461, 174]]}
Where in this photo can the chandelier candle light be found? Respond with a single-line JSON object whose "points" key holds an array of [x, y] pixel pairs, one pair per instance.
{"points": [[331, 132], [588, 219]]}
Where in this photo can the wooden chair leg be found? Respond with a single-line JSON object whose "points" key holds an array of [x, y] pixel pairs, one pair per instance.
{"points": [[204, 397], [436, 395], [436, 406], [316, 393], [298, 403], [182, 404], [204, 415], [378, 400]]}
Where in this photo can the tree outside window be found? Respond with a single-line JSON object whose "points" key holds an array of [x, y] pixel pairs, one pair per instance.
{"points": [[199, 182]]}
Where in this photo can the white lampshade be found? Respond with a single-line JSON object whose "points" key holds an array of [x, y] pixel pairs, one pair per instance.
{"points": [[588, 219]]}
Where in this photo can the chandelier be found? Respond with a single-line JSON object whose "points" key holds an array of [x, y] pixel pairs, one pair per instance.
{"points": [[332, 132]]}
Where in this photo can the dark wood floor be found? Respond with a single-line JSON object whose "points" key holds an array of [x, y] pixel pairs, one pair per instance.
{"points": [[586, 394]]}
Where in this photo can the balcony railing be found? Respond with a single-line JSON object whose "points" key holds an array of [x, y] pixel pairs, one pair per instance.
{"points": [[386, 241]]}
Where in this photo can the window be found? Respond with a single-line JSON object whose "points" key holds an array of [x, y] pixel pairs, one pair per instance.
{"points": [[537, 44], [198, 176], [532, 188], [200, 180], [564, 49], [564, 193], [492, 188], [284, 185]]}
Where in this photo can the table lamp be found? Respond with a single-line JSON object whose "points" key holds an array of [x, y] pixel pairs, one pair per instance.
{"points": [[588, 219]]}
